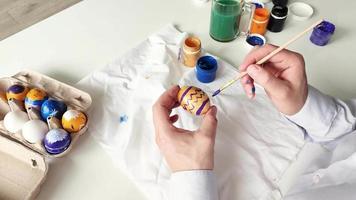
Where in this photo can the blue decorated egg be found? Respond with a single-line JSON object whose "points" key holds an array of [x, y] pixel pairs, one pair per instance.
{"points": [[17, 92], [35, 98], [56, 141], [53, 108]]}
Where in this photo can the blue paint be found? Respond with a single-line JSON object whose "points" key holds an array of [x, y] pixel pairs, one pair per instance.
{"points": [[179, 54], [123, 118], [255, 40], [216, 92], [206, 69], [322, 33]]}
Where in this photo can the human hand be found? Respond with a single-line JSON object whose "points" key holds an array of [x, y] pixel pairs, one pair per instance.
{"points": [[282, 76], [183, 150]]}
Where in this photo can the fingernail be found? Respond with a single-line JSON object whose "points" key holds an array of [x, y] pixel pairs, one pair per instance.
{"points": [[213, 110], [253, 90]]}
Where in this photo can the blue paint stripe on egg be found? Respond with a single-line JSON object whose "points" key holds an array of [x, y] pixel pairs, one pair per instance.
{"points": [[35, 102], [202, 106], [185, 93], [17, 89]]}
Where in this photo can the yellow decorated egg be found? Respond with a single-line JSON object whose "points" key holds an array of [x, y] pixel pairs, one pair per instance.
{"points": [[73, 120], [17, 92], [193, 100], [35, 98]]}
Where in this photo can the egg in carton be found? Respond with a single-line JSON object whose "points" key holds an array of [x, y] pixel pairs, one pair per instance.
{"points": [[32, 150]]}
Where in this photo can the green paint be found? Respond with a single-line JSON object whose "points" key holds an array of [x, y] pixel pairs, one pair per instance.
{"points": [[224, 20]]}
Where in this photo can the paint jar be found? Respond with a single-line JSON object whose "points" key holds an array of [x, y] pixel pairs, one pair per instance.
{"points": [[206, 69], [229, 18], [282, 3], [191, 51], [322, 33], [277, 18], [260, 21]]}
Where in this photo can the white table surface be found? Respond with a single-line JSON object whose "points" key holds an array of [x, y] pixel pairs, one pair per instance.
{"points": [[82, 38]]}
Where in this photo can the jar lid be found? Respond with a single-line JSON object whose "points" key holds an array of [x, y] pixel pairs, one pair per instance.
{"points": [[257, 3], [280, 2], [256, 40], [301, 11], [279, 11]]}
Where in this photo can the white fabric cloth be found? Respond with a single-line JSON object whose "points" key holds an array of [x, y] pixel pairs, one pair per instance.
{"points": [[255, 144]]}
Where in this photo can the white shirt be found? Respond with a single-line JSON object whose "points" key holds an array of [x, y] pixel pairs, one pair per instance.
{"points": [[323, 119]]}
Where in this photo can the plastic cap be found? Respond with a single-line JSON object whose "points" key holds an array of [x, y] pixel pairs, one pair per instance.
{"points": [[301, 11]]}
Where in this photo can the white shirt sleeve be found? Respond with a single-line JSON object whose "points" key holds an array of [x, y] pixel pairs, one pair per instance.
{"points": [[323, 117], [193, 185]]}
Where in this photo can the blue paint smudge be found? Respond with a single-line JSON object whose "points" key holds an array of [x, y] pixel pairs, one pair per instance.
{"points": [[123, 118]]}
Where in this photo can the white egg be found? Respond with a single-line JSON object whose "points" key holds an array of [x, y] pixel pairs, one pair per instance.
{"points": [[14, 120], [34, 131]]}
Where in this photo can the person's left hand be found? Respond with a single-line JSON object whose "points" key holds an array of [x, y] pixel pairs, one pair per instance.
{"points": [[183, 150]]}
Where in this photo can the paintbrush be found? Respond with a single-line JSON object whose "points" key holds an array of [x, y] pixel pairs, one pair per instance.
{"points": [[242, 74]]}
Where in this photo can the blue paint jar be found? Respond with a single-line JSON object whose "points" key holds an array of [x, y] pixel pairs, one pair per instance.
{"points": [[322, 33], [206, 68]]}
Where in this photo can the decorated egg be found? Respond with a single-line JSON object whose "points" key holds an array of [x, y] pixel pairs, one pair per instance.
{"points": [[53, 108], [35, 98], [3, 97], [73, 120], [14, 120], [193, 100], [34, 131], [56, 141], [17, 92]]}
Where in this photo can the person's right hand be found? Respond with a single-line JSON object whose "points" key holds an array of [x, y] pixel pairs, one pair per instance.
{"points": [[282, 76]]}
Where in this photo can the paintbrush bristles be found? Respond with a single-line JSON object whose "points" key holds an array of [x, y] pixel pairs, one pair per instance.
{"points": [[242, 74]]}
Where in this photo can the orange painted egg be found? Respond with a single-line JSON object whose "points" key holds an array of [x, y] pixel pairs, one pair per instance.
{"points": [[17, 92], [193, 100], [73, 120], [35, 98]]}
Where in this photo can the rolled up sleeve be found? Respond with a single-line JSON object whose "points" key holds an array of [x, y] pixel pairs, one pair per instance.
{"points": [[324, 118]]}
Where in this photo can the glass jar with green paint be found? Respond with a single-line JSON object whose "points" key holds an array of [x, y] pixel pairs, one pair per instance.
{"points": [[228, 19]]}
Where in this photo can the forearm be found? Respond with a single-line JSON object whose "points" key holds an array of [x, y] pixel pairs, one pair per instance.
{"points": [[193, 185], [323, 117]]}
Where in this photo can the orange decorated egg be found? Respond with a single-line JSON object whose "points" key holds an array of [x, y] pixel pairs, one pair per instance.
{"points": [[193, 100], [17, 92], [73, 120]]}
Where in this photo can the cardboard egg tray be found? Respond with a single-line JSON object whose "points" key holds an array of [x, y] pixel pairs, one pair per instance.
{"points": [[22, 165]]}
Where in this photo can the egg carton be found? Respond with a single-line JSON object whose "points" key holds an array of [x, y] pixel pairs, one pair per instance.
{"points": [[22, 165]]}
